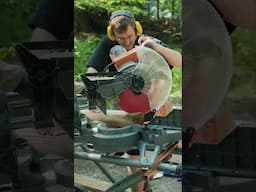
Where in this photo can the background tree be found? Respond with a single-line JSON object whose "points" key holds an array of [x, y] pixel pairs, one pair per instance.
{"points": [[14, 16]]}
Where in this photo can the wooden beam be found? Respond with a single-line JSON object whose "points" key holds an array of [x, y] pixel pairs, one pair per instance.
{"points": [[91, 184]]}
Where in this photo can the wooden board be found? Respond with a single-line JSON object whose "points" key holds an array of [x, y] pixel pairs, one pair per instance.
{"points": [[91, 184]]}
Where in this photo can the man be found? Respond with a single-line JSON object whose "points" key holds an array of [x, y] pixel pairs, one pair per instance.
{"points": [[124, 30]]}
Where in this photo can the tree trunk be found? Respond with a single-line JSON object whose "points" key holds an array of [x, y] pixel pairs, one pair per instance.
{"points": [[158, 9], [173, 7]]}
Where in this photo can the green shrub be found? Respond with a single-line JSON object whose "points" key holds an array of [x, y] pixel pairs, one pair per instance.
{"points": [[84, 48]]}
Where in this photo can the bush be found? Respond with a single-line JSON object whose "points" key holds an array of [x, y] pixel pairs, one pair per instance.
{"points": [[84, 48]]}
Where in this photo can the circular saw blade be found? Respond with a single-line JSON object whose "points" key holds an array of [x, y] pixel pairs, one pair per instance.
{"points": [[207, 62], [156, 74]]}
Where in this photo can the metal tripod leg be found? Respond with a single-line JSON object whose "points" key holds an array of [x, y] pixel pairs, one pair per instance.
{"points": [[105, 172]]}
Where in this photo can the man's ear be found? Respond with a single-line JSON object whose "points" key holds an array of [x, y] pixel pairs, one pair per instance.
{"points": [[139, 29]]}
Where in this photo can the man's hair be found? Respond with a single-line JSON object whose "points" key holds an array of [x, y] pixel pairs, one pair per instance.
{"points": [[121, 23]]}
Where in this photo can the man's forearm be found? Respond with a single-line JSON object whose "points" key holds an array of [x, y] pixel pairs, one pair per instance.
{"points": [[173, 57], [91, 70]]}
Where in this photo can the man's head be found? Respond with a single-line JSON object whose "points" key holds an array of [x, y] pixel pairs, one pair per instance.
{"points": [[124, 29]]}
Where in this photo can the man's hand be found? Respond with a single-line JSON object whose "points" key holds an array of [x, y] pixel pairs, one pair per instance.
{"points": [[172, 57], [147, 41]]}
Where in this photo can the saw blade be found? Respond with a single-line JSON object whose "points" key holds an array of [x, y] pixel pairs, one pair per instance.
{"points": [[156, 74], [207, 62]]}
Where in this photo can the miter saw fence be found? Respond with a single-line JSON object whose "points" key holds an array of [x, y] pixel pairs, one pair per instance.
{"points": [[142, 82], [150, 137]]}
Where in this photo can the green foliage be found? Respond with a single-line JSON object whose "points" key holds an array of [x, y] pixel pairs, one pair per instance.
{"points": [[14, 17], [84, 48], [3, 53], [244, 58], [177, 82], [175, 6], [135, 6]]}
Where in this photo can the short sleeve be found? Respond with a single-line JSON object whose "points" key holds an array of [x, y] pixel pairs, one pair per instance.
{"points": [[55, 16], [100, 58]]}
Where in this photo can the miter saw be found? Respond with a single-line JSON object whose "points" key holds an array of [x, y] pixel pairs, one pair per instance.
{"points": [[142, 83]]}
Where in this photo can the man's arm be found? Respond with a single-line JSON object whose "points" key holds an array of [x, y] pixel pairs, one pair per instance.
{"points": [[173, 57], [91, 70], [39, 34]]}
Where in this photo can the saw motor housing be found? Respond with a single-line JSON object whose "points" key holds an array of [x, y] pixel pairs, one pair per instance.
{"points": [[124, 59]]}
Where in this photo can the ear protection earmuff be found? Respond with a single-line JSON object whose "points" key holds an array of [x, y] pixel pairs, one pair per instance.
{"points": [[115, 14]]}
